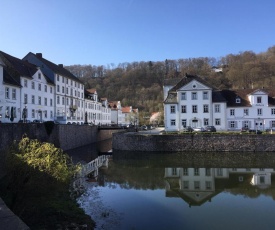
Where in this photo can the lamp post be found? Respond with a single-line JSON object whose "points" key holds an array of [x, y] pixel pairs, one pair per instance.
{"points": [[24, 114], [86, 118], [94, 117]]}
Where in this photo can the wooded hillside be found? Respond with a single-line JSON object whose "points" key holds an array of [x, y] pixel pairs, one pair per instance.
{"points": [[139, 84]]}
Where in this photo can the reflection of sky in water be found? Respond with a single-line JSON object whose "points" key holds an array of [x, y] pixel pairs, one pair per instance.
{"points": [[119, 209]]}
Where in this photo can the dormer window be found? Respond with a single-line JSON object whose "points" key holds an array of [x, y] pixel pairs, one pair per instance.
{"points": [[238, 100], [259, 99]]}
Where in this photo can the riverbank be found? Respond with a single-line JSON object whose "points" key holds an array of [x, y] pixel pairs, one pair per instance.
{"points": [[8, 220]]}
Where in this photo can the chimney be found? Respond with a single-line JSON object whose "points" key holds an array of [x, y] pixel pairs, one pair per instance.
{"points": [[39, 55], [60, 65]]}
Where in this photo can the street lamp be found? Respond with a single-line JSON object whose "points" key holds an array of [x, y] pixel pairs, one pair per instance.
{"points": [[94, 117], [24, 114]]}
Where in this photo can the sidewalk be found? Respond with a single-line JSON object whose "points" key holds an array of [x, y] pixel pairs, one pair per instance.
{"points": [[8, 220]]}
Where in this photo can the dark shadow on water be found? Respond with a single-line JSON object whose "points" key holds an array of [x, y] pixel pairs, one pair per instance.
{"points": [[88, 153]]}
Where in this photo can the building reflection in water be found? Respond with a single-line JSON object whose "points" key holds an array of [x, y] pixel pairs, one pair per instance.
{"points": [[198, 185]]}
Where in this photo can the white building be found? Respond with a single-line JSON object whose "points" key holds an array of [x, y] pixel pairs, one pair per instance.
{"points": [[193, 102], [25, 92], [69, 90], [97, 112]]}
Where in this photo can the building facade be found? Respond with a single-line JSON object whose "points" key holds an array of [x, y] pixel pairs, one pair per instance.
{"points": [[191, 101]]}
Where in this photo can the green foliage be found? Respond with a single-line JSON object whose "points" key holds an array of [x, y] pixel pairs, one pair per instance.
{"points": [[37, 186], [46, 158]]}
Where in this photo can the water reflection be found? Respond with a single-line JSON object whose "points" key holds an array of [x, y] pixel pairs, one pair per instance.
{"points": [[183, 191]]}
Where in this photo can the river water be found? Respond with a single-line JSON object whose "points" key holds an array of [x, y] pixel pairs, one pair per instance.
{"points": [[183, 191]]}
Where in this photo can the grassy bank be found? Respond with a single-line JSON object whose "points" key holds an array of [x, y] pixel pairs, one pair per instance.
{"points": [[37, 187]]}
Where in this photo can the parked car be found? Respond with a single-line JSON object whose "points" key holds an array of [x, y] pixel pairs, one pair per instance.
{"points": [[143, 127], [187, 129], [244, 129], [256, 131], [198, 129], [210, 128], [37, 121], [22, 121]]}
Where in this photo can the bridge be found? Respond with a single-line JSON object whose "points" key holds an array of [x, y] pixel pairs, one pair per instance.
{"points": [[89, 169]]}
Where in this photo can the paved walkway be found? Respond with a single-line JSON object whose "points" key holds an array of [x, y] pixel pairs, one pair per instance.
{"points": [[8, 220]]}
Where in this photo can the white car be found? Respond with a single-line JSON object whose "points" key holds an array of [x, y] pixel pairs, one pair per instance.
{"points": [[198, 129]]}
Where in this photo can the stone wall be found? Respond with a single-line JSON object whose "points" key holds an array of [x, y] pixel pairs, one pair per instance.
{"points": [[194, 142], [65, 137]]}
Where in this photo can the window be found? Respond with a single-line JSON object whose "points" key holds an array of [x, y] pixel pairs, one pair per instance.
{"points": [[51, 102], [67, 80], [205, 95], [245, 112], [232, 112], [173, 122], [51, 114], [206, 121], [7, 112], [46, 113], [7, 93], [172, 109], [207, 172], [194, 109], [196, 185], [25, 99], [238, 100], [45, 88], [33, 99], [194, 96], [71, 92], [259, 99], [39, 100], [33, 85], [63, 101], [272, 123], [174, 171], [217, 108], [51, 89], [259, 111], [217, 121], [57, 77], [246, 124], [45, 101], [186, 184], [33, 113], [67, 101], [57, 89], [58, 100], [208, 185], [219, 172], [196, 171], [39, 87], [185, 171], [39, 76], [67, 90], [26, 83], [205, 108], [272, 111], [183, 109], [262, 179], [183, 123], [183, 96], [63, 89], [13, 94], [232, 124]]}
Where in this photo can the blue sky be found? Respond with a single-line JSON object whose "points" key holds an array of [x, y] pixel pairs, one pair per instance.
{"points": [[104, 32]]}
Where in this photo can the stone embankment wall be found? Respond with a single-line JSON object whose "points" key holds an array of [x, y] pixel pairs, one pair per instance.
{"points": [[65, 137], [194, 142]]}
